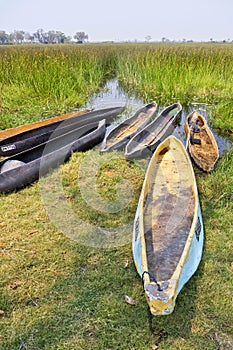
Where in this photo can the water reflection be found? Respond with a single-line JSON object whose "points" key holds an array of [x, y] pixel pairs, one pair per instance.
{"points": [[114, 95]]}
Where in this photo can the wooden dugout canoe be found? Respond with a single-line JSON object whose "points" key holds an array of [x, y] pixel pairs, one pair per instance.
{"points": [[168, 228], [39, 160], [18, 129], [201, 142], [145, 142], [122, 133], [30, 138]]}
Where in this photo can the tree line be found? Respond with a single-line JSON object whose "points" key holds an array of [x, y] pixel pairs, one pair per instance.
{"points": [[40, 36]]}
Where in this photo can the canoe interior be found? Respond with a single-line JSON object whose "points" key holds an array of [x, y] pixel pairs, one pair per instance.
{"points": [[151, 133], [131, 125], [168, 211], [202, 144]]}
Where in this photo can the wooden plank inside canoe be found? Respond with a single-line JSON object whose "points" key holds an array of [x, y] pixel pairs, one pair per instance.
{"points": [[168, 212], [123, 132]]}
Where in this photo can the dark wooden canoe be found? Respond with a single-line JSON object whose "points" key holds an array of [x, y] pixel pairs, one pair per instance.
{"points": [[144, 143], [18, 129], [50, 155], [168, 230], [122, 133], [30, 138], [201, 142]]}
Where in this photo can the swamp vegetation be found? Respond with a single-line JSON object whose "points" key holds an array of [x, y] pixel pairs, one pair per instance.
{"points": [[65, 294]]}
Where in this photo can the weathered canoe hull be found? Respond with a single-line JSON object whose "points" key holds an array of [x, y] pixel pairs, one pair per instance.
{"points": [[39, 160], [201, 145], [117, 138], [161, 293], [145, 142], [18, 129], [30, 138]]}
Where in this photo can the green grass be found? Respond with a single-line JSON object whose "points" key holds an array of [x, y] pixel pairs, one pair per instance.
{"points": [[200, 73], [61, 293], [38, 81]]}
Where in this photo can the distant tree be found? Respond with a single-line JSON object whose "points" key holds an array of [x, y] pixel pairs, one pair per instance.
{"points": [[41, 36], [68, 39], [18, 36], [4, 37], [29, 37], [80, 37], [11, 37], [62, 38], [148, 38], [51, 37]]}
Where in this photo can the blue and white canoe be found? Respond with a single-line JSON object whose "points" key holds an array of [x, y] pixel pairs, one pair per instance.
{"points": [[168, 230]]}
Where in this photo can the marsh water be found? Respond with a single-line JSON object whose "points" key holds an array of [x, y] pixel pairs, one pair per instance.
{"points": [[113, 95]]}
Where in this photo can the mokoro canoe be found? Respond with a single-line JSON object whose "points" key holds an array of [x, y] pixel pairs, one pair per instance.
{"points": [[18, 129], [201, 142], [122, 133], [25, 167], [145, 142], [168, 229], [30, 138]]}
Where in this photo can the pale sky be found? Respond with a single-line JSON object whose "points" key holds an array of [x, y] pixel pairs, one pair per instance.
{"points": [[122, 20]]}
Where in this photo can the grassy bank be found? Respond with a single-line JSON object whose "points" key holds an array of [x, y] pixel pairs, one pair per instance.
{"points": [[67, 294]]}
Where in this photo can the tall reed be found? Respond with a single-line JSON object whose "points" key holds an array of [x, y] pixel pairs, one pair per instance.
{"points": [[48, 79], [189, 73]]}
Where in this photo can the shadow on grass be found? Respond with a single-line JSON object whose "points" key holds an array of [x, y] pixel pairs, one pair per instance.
{"points": [[179, 323], [87, 310]]}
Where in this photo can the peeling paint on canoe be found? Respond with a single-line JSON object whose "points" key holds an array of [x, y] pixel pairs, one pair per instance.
{"points": [[161, 295], [194, 257], [137, 248]]}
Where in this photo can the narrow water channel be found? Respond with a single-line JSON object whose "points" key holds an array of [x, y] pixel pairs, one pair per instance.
{"points": [[113, 95]]}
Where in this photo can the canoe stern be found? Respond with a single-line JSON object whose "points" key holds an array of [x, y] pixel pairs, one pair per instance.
{"points": [[160, 297]]}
